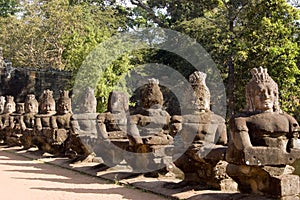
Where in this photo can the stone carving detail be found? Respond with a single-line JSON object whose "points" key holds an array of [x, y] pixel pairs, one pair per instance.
{"points": [[112, 129], [60, 122], [113, 122], [13, 136], [43, 137], [202, 93], [83, 135], [149, 127], [264, 142], [27, 120], [6, 120], [203, 129]]}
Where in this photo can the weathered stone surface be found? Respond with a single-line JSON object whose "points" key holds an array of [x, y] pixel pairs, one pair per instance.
{"points": [[13, 136], [257, 156], [44, 135], [27, 121], [83, 131], [203, 162], [6, 120], [112, 129], [149, 130], [263, 142]]}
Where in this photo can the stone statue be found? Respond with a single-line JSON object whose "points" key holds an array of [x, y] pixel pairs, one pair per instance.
{"points": [[264, 141], [149, 127], [27, 120], [113, 122], [6, 120], [43, 130], [112, 129], [13, 136], [83, 133], [60, 123], [203, 134]]}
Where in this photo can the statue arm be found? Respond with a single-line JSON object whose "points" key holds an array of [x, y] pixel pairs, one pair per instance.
{"points": [[294, 126], [38, 123], [222, 134], [11, 122], [101, 126], [53, 122], [75, 127], [133, 132], [240, 133], [22, 123]]}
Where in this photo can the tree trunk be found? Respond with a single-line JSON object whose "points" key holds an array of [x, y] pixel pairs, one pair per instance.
{"points": [[231, 83]]}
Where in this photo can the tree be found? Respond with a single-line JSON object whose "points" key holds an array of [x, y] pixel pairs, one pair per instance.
{"points": [[57, 34], [239, 35], [53, 34], [8, 7]]}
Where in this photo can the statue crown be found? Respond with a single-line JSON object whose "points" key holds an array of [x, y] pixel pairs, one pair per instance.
{"points": [[30, 97], [9, 98], [260, 75], [153, 81], [2, 100], [64, 93], [48, 93], [197, 78]]}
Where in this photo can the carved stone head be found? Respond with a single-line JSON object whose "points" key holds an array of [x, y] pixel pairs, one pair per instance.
{"points": [[2, 104], [262, 92], [63, 105], [117, 102], [31, 104], [197, 80], [47, 102], [151, 95], [10, 105], [20, 108], [88, 102]]}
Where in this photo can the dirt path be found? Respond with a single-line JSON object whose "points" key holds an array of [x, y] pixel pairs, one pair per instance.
{"points": [[25, 179]]}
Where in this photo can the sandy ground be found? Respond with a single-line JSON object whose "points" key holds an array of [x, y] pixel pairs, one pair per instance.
{"points": [[32, 175], [23, 179]]}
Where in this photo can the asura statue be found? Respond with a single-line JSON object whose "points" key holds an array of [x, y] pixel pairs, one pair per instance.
{"points": [[264, 142]]}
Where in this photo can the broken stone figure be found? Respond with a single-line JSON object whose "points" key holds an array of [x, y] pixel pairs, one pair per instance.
{"points": [[261, 147], [13, 136], [43, 137], [149, 130], [60, 123], [27, 121], [6, 120], [83, 134], [112, 129], [203, 134]]}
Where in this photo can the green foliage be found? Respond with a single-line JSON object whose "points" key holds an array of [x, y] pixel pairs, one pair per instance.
{"points": [[60, 35], [8, 7], [53, 34], [241, 34]]}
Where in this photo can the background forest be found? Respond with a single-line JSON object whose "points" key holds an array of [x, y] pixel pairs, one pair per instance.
{"points": [[238, 35]]}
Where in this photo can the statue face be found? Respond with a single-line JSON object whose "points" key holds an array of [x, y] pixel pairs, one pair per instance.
{"points": [[30, 108], [20, 108], [264, 98], [9, 108], [63, 108], [47, 108], [116, 103], [202, 104]]}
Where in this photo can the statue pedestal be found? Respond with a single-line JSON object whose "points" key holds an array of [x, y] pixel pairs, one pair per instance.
{"points": [[276, 182]]}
